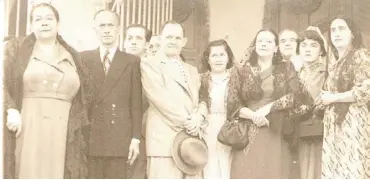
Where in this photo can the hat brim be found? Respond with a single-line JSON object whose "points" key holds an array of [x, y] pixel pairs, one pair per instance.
{"points": [[185, 168]]}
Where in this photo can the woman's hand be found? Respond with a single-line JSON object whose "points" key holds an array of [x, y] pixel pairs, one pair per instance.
{"points": [[260, 120], [14, 121]]}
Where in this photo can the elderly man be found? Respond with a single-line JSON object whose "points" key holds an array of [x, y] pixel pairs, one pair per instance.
{"points": [[171, 87]]}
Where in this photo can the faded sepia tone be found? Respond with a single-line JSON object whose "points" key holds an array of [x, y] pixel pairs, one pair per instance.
{"points": [[92, 96]]}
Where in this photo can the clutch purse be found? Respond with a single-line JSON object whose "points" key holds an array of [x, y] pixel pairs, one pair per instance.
{"points": [[234, 132]]}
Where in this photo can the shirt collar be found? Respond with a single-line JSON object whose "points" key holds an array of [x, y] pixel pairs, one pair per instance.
{"points": [[112, 51]]}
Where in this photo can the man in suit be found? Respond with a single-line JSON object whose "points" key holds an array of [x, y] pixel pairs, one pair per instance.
{"points": [[116, 110], [171, 87], [137, 38]]}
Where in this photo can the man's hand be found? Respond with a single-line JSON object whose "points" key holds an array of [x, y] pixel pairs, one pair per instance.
{"points": [[134, 151], [194, 122]]}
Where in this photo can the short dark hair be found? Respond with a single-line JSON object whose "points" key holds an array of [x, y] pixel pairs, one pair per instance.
{"points": [[55, 11], [220, 42], [173, 22], [106, 10], [148, 32], [315, 36], [357, 41]]}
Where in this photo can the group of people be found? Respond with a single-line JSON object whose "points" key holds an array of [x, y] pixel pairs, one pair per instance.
{"points": [[145, 113]]}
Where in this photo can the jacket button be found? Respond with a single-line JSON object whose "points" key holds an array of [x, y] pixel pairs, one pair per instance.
{"points": [[112, 122]]}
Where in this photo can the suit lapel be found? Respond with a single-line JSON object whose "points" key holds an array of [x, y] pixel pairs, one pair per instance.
{"points": [[192, 90], [98, 71], [169, 67], [118, 65]]}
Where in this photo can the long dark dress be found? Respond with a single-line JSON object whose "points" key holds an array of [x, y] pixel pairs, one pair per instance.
{"points": [[268, 156]]}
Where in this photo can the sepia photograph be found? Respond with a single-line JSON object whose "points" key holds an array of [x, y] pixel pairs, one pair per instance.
{"points": [[186, 89]]}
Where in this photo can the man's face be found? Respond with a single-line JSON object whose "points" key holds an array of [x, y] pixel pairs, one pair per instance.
{"points": [[288, 43], [172, 39], [154, 46], [135, 41], [107, 28]]}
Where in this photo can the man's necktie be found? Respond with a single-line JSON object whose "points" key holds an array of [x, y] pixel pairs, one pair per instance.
{"points": [[181, 68], [106, 62]]}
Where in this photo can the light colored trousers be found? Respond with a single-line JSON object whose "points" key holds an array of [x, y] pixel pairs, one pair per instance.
{"points": [[165, 168]]}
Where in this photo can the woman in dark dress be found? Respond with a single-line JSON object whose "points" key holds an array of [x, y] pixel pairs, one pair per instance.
{"points": [[280, 93]]}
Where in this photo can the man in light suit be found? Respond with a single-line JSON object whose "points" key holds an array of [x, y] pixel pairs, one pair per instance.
{"points": [[171, 87], [116, 110], [136, 41]]}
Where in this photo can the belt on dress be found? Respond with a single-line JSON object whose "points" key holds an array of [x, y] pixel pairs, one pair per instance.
{"points": [[48, 95]]}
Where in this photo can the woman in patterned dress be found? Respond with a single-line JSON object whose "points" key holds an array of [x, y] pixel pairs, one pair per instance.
{"points": [[313, 74], [279, 91], [346, 143], [218, 87], [46, 88]]}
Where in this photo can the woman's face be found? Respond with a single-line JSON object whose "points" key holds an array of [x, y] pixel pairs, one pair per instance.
{"points": [[341, 35], [309, 50], [265, 44], [218, 59], [44, 23]]}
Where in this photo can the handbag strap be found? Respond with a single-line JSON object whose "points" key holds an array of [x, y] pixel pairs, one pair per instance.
{"points": [[234, 114]]}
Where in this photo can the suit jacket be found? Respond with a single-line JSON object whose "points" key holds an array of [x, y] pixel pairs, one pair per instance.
{"points": [[116, 109], [171, 101]]}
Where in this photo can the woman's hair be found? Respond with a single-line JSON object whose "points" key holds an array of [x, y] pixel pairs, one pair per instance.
{"points": [[357, 37], [254, 56], [220, 42], [315, 36], [56, 14]]}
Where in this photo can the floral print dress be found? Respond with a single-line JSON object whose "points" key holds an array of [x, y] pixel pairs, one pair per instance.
{"points": [[346, 150]]}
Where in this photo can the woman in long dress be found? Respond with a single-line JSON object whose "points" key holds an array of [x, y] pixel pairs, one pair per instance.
{"points": [[46, 95], [217, 59], [346, 153], [313, 74], [267, 154]]}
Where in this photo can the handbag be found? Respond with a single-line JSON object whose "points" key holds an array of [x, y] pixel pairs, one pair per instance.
{"points": [[234, 132]]}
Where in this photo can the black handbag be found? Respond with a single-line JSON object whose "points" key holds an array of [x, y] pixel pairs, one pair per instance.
{"points": [[234, 132], [311, 128]]}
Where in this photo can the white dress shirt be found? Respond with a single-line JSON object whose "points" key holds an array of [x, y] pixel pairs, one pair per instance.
{"points": [[112, 51]]}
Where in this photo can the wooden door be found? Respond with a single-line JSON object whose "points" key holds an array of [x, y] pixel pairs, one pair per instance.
{"points": [[193, 14], [299, 14]]}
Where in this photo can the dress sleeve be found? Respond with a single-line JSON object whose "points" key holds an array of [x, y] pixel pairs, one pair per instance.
{"points": [[297, 99], [10, 52], [361, 89]]}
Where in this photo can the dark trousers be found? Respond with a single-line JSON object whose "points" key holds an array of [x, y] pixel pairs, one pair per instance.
{"points": [[138, 169], [101, 167], [8, 154]]}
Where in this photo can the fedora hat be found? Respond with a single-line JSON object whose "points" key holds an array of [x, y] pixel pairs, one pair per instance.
{"points": [[189, 153]]}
